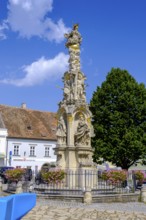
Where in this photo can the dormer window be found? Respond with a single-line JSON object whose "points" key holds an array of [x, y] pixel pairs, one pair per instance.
{"points": [[29, 127], [43, 134]]}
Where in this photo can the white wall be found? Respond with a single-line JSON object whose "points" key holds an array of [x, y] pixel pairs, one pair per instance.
{"points": [[24, 159], [3, 146]]}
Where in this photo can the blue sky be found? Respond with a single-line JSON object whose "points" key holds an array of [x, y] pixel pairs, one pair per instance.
{"points": [[33, 57]]}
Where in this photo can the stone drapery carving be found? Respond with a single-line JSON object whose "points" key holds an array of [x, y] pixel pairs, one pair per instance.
{"points": [[82, 134], [61, 131]]}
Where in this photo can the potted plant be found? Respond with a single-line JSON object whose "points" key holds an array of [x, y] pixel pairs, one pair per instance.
{"points": [[139, 177], [53, 176], [114, 176], [14, 175]]}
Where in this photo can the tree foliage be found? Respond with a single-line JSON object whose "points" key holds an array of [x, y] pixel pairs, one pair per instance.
{"points": [[119, 120]]}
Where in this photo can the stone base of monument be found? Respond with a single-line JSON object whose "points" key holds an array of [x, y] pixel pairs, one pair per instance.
{"points": [[81, 179], [88, 178]]}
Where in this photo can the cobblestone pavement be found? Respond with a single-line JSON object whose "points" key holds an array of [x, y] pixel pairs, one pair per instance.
{"points": [[60, 210]]}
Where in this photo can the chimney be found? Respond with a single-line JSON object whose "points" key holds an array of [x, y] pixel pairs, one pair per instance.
{"points": [[23, 105]]}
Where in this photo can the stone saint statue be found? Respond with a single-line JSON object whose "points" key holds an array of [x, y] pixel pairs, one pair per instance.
{"points": [[80, 86], [61, 131], [82, 134], [68, 88]]}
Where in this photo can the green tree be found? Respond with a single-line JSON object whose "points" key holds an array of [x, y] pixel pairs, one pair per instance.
{"points": [[119, 120]]}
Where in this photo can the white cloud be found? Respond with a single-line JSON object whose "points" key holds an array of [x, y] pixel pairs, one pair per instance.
{"points": [[3, 27], [30, 18], [41, 70]]}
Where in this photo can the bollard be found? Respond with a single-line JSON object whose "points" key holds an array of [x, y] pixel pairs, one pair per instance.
{"points": [[87, 196], [31, 186], [19, 188], [1, 185], [143, 193]]}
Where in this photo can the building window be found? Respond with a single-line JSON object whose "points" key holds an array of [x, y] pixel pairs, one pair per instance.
{"points": [[47, 151], [16, 150], [32, 151]]}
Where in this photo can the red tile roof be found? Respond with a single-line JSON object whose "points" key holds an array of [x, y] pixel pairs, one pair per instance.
{"points": [[26, 123]]}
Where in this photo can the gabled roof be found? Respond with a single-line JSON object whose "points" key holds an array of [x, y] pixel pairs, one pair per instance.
{"points": [[26, 123], [2, 125]]}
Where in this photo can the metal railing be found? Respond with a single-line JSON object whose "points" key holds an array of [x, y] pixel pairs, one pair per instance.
{"points": [[77, 182]]}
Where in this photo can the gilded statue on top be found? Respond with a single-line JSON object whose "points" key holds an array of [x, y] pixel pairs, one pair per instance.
{"points": [[74, 37]]}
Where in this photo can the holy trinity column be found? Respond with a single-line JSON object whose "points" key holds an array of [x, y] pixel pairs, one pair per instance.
{"points": [[74, 130]]}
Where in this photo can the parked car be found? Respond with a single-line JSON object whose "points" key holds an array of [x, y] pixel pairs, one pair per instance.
{"points": [[2, 173]]}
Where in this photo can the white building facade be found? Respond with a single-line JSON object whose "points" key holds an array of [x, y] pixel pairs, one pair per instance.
{"points": [[3, 146], [27, 137], [30, 153]]}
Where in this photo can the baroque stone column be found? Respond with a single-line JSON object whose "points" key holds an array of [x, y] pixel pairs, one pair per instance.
{"points": [[74, 130]]}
